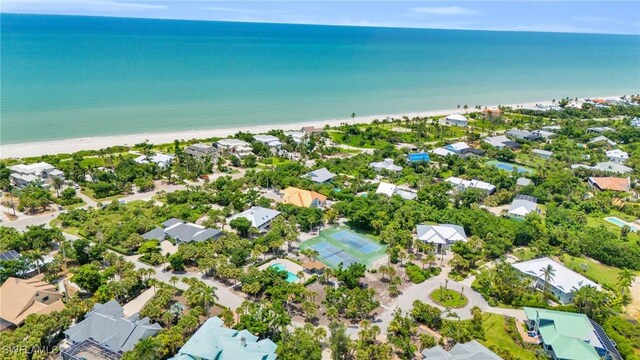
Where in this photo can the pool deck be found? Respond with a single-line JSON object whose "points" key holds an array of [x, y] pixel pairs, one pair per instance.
{"points": [[290, 265]]}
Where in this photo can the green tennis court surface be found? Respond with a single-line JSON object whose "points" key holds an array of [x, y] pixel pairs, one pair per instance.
{"points": [[341, 245]]}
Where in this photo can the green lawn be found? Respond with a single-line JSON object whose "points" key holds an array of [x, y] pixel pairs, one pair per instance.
{"points": [[523, 253], [449, 298], [602, 274], [598, 219], [89, 192], [493, 325]]}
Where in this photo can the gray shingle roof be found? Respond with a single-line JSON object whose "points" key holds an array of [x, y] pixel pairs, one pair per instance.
{"points": [[157, 233], [320, 175], [171, 222], [182, 232], [472, 350]]}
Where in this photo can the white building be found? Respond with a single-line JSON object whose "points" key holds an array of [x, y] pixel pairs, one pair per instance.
{"points": [[236, 147], [386, 164], [22, 175], [602, 138], [260, 217], [442, 236], [162, 160], [462, 184], [391, 189], [298, 137], [456, 120], [522, 206], [269, 140], [544, 154], [617, 156], [564, 282]]}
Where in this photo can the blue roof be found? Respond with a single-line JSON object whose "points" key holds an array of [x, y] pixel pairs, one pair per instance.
{"points": [[418, 157]]}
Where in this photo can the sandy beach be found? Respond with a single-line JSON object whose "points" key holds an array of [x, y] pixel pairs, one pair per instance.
{"points": [[23, 150]]}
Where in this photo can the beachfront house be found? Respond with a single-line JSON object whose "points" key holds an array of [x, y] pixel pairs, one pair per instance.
{"points": [[201, 151], [491, 113], [272, 142], [617, 156], [524, 135], [570, 336], [456, 120], [522, 206], [502, 142], [599, 140], [391, 189], [106, 330], [460, 351], [182, 232], [606, 166], [543, 154], [386, 164], [320, 176], [303, 198], [162, 160], [213, 341], [562, 285], [260, 217], [298, 137], [460, 185], [311, 130], [20, 298], [237, 147], [41, 173], [442, 236], [610, 183]]}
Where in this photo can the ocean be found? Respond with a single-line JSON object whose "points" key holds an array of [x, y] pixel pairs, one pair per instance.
{"points": [[68, 76]]}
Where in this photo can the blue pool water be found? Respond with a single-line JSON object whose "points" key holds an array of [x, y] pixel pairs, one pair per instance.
{"points": [[291, 277], [509, 167], [618, 222]]}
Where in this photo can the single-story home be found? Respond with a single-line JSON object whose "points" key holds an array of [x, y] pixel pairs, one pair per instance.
{"points": [[24, 174], [442, 236], [518, 134], [458, 147], [182, 232], [570, 336], [303, 198], [564, 282], [545, 134], [610, 183], [201, 151], [391, 189], [523, 181], [460, 351], [602, 139], [20, 298], [386, 164], [607, 166], [162, 160], [456, 120], [617, 156], [501, 142], [106, 326], [600, 129], [522, 206], [213, 341], [543, 154], [311, 130], [260, 217], [462, 184], [320, 176]]}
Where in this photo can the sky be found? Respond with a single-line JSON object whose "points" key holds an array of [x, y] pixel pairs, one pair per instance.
{"points": [[609, 17]]}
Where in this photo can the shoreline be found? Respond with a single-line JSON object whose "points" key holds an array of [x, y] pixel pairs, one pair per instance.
{"points": [[53, 147]]}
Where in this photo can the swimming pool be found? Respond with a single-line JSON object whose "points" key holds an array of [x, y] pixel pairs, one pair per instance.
{"points": [[291, 277], [619, 222], [509, 166]]}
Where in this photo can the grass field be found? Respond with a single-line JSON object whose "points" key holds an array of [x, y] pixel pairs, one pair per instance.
{"points": [[602, 274], [326, 236], [449, 298], [598, 219], [90, 194], [495, 335]]}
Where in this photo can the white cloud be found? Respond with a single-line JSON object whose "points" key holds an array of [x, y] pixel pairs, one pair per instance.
{"points": [[445, 10]]}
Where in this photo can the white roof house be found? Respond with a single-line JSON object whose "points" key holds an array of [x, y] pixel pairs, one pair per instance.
{"points": [[229, 143], [386, 164], [162, 160], [441, 235], [391, 189], [297, 136], [497, 141], [542, 153], [456, 120], [268, 140], [544, 133], [442, 152], [564, 280], [522, 206], [460, 351], [24, 174], [617, 155], [462, 184], [607, 166], [457, 147], [523, 181], [260, 217], [602, 138], [320, 176], [635, 122]]}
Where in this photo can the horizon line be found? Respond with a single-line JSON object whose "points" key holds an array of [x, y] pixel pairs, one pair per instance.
{"points": [[314, 24]]}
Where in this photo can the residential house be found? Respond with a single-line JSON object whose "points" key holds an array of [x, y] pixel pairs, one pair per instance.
{"points": [[418, 157], [162, 160], [458, 147], [269, 140], [501, 142], [24, 174], [182, 232], [523, 181], [442, 236], [562, 284], [517, 134], [33, 266], [456, 120], [522, 206], [543, 154], [213, 341], [260, 217], [106, 328], [471, 350], [552, 128], [462, 185], [617, 156], [442, 152], [320, 176], [606, 166], [610, 183], [391, 189], [491, 113], [570, 336], [602, 139], [236, 147], [386, 164], [544, 134], [600, 130], [20, 298], [311, 130], [635, 122], [201, 151], [303, 198], [298, 137]]}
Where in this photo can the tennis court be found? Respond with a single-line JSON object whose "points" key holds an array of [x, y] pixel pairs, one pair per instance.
{"points": [[337, 246]]}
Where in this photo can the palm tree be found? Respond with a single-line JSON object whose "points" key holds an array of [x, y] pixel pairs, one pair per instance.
{"points": [[57, 183], [625, 279], [548, 272]]}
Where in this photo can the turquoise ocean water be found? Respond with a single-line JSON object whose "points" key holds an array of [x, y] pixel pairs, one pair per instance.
{"points": [[68, 77]]}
